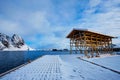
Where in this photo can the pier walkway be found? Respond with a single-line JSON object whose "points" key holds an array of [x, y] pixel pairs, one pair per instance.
{"points": [[45, 68], [66, 67]]}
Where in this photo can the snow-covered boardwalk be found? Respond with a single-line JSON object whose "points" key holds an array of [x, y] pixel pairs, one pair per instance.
{"points": [[112, 62], [45, 68], [81, 70], [62, 67]]}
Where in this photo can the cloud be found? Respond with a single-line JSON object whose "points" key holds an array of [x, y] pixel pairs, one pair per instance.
{"points": [[106, 20], [46, 23], [9, 26]]}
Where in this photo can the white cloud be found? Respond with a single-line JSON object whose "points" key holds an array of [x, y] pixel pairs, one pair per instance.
{"points": [[107, 22], [9, 27], [94, 3], [54, 20]]}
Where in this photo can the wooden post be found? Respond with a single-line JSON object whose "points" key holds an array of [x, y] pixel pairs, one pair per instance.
{"points": [[111, 46], [90, 42], [70, 46]]}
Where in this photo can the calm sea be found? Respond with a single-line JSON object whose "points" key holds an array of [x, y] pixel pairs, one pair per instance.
{"points": [[12, 59]]}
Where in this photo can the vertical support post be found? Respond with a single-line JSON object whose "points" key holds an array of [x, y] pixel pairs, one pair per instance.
{"points": [[104, 47], [85, 46], [101, 45], [91, 44], [70, 46], [111, 46], [80, 41], [96, 47], [108, 45]]}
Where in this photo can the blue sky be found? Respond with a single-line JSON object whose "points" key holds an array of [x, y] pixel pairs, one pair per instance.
{"points": [[45, 23]]}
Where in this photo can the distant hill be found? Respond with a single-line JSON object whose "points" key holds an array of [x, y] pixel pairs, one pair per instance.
{"points": [[15, 42]]}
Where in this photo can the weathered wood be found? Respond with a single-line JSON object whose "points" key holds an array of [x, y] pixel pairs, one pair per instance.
{"points": [[90, 42]]}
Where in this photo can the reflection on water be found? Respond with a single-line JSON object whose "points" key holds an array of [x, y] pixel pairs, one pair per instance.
{"points": [[11, 59]]}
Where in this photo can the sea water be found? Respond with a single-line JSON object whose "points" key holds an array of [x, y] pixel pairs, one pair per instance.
{"points": [[12, 59]]}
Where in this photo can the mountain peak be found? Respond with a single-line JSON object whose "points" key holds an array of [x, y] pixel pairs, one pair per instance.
{"points": [[15, 42]]}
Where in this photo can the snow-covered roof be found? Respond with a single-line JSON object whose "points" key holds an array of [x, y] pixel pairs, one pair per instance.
{"points": [[86, 30]]}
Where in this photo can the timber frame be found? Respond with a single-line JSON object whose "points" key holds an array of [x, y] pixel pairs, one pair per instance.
{"points": [[90, 43]]}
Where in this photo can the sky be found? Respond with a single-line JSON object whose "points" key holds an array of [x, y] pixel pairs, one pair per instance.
{"points": [[44, 24]]}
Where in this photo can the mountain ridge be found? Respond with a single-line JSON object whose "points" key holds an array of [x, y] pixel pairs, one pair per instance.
{"points": [[15, 42]]}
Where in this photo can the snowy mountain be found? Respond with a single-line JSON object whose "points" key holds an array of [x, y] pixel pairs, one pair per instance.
{"points": [[12, 43]]}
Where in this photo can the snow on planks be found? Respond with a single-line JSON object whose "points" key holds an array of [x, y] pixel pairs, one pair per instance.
{"points": [[45, 68], [81, 70], [112, 62], [61, 67]]}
